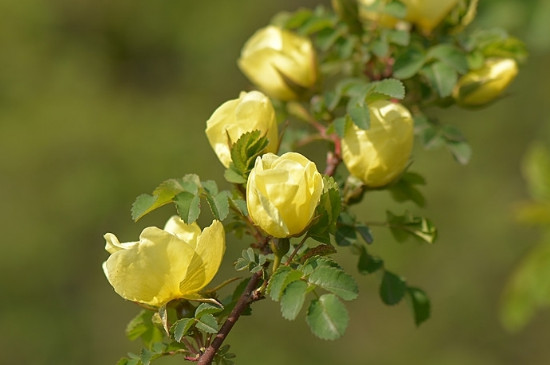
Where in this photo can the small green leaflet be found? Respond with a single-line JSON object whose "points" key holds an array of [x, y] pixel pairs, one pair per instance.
{"points": [[207, 323], [420, 305], [408, 63], [442, 77], [336, 281], [181, 327], [280, 280], [142, 326], [327, 317], [392, 88], [293, 299], [407, 225], [243, 155], [392, 288], [367, 263]]}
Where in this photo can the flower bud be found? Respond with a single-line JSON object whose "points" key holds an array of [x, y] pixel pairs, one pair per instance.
{"points": [[282, 193], [378, 155], [163, 265], [427, 14], [279, 62], [251, 111], [481, 86]]}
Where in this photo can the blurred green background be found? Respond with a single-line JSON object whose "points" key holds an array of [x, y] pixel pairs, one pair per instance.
{"points": [[102, 100]]}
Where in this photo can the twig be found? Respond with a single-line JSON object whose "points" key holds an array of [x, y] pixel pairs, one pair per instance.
{"points": [[248, 296]]}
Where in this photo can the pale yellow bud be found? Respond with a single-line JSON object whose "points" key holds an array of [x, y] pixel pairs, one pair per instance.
{"points": [[380, 154], [163, 265], [282, 64], [251, 111], [427, 14], [485, 84], [282, 193]]}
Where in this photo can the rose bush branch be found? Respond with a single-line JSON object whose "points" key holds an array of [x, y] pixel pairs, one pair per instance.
{"points": [[360, 76]]}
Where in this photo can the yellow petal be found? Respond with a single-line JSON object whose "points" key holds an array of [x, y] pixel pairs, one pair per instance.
{"points": [[150, 272]]}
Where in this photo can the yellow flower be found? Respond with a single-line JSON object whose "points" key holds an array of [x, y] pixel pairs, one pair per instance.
{"points": [[282, 193], [251, 111], [378, 155], [279, 62], [163, 265], [483, 85], [427, 14]]}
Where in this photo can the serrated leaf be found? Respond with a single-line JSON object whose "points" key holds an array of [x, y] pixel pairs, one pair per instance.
{"points": [[142, 326], [208, 324], [246, 149], [219, 204], [367, 263], [451, 56], [392, 288], [181, 327], [404, 189], [389, 87], [292, 299], [327, 317], [336, 281], [461, 151], [360, 115], [320, 250], [328, 210], [345, 235], [408, 63], [442, 77], [188, 206], [280, 280], [420, 304], [233, 176], [164, 194], [206, 308]]}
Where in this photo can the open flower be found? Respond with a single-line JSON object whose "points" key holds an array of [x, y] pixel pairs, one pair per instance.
{"points": [[251, 111], [279, 62], [163, 265], [282, 193], [379, 154], [481, 86]]}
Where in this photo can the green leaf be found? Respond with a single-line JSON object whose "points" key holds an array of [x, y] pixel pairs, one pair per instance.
{"points": [[407, 225], [219, 204], [280, 280], [244, 152], [188, 206], [536, 170], [233, 176], [442, 77], [392, 288], [327, 317], [408, 63], [365, 233], [360, 115], [336, 281], [405, 189], [461, 151], [420, 305], [451, 56], [328, 210], [206, 308], [340, 125], [293, 299], [399, 37], [528, 288], [142, 326], [389, 87], [164, 194], [181, 327], [367, 263], [208, 324]]}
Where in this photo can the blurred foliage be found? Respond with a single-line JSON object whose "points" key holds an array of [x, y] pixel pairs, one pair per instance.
{"points": [[97, 100]]}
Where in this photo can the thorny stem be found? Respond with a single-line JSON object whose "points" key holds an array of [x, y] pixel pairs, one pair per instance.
{"points": [[248, 296]]}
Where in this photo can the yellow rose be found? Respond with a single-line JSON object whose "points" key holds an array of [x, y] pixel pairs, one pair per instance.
{"points": [[163, 265], [279, 62], [427, 14], [251, 111], [282, 193], [378, 155], [483, 85]]}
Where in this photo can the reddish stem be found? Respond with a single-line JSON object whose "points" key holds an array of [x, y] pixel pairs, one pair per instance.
{"points": [[248, 296]]}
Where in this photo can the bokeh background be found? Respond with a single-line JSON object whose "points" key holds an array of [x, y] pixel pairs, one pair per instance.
{"points": [[102, 100]]}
